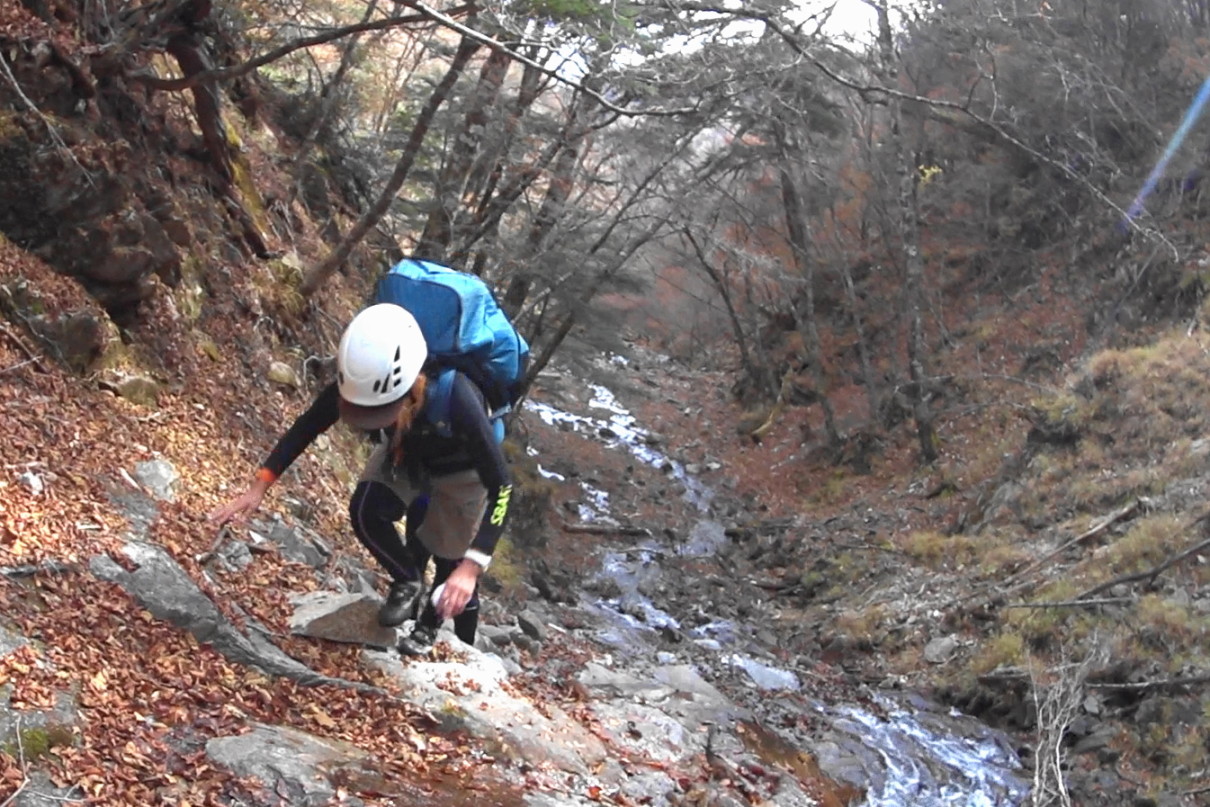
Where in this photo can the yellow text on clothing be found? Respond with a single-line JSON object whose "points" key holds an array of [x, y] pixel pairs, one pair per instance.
{"points": [[501, 508]]}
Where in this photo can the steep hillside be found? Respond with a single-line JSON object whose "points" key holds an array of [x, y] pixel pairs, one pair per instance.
{"points": [[1047, 574]]}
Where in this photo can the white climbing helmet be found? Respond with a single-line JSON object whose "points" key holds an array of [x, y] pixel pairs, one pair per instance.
{"points": [[380, 354]]}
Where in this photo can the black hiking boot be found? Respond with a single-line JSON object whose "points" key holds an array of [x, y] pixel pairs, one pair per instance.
{"points": [[402, 603], [419, 642]]}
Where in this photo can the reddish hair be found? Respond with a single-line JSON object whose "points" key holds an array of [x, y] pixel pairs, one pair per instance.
{"points": [[413, 402]]}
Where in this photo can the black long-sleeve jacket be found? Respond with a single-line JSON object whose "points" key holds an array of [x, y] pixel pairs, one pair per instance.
{"points": [[471, 444]]}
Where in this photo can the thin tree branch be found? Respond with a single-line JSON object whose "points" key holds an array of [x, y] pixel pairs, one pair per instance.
{"points": [[50, 127], [235, 71], [494, 44], [866, 90], [22, 762], [320, 272]]}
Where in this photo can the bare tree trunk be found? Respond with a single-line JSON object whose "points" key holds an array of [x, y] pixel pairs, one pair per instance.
{"points": [[796, 230], [188, 52], [319, 273], [747, 364], [562, 180], [327, 102], [451, 184], [863, 347], [550, 346], [909, 227]]}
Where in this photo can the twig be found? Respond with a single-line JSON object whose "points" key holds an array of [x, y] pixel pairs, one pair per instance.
{"points": [[54, 135], [557, 75], [1149, 574], [1151, 686], [1056, 707], [19, 342], [17, 366], [224, 532], [1072, 603], [20, 758]]}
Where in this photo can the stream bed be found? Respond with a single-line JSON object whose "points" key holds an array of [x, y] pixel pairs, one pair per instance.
{"points": [[903, 750]]}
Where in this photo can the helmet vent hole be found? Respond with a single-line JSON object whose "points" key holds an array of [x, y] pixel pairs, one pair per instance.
{"points": [[398, 352], [398, 381], [340, 377], [398, 369], [377, 385]]}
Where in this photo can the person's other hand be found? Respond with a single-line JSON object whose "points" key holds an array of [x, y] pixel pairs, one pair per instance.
{"points": [[238, 509], [459, 588]]}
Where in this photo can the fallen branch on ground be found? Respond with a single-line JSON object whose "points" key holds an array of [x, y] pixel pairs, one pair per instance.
{"points": [[1098, 528], [606, 529], [31, 569], [1072, 603], [1149, 575], [1153, 686], [26, 349]]}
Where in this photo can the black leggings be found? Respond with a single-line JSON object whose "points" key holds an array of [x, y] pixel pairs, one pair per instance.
{"points": [[373, 511]]}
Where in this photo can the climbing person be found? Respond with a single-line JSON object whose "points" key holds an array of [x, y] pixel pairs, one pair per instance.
{"points": [[438, 459]]}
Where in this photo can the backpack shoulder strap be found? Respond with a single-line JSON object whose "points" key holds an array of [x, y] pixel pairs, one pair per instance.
{"points": [[437, 397], [437, 405]]}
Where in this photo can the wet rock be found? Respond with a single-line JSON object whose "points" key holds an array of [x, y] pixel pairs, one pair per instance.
{"points": [[348, 618], [298, 767], [158, 477]]}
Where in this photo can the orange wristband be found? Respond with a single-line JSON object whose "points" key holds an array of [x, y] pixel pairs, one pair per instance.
{"points": [[265, 475]]}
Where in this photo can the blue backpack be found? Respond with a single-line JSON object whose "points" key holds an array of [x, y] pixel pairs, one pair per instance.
{"points": [[465, 331]]}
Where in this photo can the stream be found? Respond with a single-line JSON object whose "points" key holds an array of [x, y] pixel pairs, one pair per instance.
{"points": [[903, 750]]}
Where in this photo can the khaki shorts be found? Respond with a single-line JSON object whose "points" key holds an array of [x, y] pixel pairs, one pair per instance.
{"points": [[456, 504]]}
